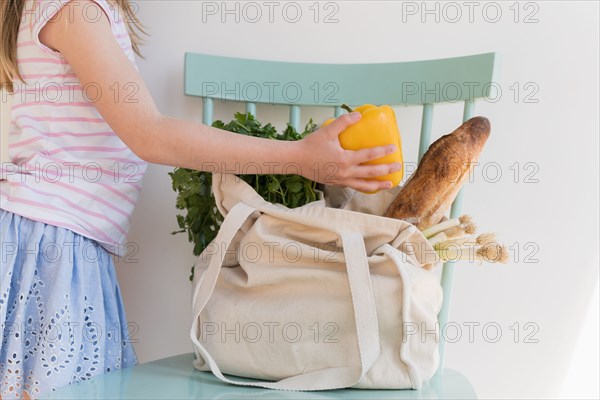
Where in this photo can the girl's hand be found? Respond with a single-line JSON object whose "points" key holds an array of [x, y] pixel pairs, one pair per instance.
{"points": [[323, 159]]}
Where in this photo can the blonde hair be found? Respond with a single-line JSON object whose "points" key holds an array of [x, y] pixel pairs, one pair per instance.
{"points": [[10, 19]]}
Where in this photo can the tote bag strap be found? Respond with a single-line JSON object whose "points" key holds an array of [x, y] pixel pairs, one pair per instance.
{"points": [[363, 303], [405, 356]]}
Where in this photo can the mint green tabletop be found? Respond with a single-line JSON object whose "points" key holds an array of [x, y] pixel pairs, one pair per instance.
{"points": [[176, 378]]}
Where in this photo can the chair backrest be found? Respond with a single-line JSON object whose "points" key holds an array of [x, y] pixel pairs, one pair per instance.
{"points": [[418, 83]]}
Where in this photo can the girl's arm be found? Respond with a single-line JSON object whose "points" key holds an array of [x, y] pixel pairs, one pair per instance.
{"points": [[96, 57]]}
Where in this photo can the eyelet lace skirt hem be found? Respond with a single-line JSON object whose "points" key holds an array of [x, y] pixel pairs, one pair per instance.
{"points": [[61, 313]]}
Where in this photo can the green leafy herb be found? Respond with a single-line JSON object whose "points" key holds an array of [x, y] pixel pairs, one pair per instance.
{"points": [[202, 218]]}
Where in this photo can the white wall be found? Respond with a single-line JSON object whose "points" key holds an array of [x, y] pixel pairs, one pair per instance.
{"points": [[553, 221]]}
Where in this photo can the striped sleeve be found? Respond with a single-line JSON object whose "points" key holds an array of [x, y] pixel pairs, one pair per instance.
{"points": [[45, 11]]}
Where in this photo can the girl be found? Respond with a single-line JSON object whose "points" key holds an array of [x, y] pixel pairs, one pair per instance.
{"points": [[74, 176]]}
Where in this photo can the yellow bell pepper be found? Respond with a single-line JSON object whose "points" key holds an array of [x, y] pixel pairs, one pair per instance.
{"points": [[377, 127]]}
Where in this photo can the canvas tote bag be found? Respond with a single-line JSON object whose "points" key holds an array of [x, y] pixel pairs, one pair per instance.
{"points": [[314, 298]]}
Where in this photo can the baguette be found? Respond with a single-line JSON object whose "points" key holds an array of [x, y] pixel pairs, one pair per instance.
{"points": [[430, 191]]}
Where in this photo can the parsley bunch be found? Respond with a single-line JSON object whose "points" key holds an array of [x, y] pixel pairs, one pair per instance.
{"points": [[202, 218]]}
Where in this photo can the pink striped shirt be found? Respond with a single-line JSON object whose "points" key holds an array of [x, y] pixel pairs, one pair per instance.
{"points": [[67, 167]]}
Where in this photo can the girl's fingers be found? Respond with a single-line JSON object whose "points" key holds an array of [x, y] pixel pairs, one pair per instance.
{"points": [[341, 123], [372, 153], [371, 171]]}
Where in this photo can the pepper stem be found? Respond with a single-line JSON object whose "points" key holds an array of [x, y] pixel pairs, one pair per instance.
{"points": [[345, 107]]}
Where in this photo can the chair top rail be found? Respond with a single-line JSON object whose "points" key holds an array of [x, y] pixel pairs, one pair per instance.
{"points": [[397, 83]]}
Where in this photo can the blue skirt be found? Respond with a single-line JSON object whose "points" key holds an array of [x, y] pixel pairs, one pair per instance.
{"points": [[61, 313]]}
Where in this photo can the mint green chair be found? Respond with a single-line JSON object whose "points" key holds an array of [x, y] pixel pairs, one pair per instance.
{"points": [[215, 78]]}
